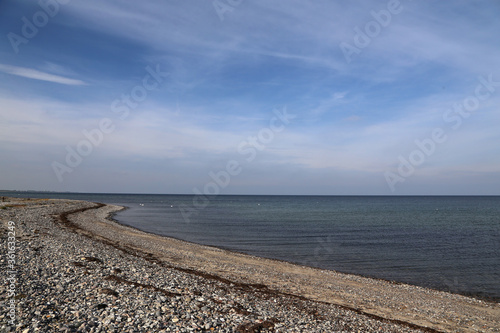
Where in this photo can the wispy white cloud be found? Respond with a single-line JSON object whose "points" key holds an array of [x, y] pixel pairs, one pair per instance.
{"points": [[38, 75], [329, 104]]}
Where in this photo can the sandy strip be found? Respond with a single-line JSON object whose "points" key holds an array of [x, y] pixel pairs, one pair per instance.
{"points": [[423, 307]]}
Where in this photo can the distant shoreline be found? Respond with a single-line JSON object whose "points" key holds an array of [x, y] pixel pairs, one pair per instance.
{"points": [[271, 195]]}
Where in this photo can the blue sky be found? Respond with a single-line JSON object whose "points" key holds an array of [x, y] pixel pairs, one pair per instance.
{"points": [[224, 70]]}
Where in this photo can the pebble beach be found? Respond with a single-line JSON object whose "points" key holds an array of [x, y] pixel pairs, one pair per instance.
{"points": [[74, 269]]}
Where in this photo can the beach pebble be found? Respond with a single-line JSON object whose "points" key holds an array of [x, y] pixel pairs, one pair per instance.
{"points": [[79, 284]]}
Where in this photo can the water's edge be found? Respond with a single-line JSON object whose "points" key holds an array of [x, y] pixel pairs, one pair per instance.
{"points": [[381, 251]]}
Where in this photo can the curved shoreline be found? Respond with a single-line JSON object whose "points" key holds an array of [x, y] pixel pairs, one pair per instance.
{"points": [[408, 307], [358, 303], [260, 288], [480, 297]]}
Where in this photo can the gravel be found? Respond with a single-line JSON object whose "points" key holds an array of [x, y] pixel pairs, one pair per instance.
{"points": [[70, 279]]}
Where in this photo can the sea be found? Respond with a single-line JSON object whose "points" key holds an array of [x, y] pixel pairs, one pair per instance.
{"points": [[449, 243]]}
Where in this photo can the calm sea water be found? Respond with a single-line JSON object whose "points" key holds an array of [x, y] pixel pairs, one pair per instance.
{"points": [[446, 243]]}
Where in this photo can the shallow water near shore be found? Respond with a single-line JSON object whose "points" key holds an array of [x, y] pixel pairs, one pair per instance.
{"points": [[445, 243]]}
